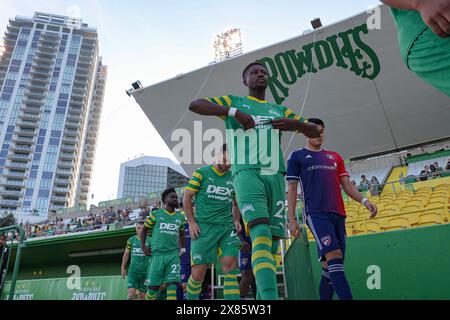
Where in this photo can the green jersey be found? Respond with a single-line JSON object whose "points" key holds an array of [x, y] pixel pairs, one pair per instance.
{"points": [[165, 228], [259, 147], [139, 261], [214, 195], [409, 26]]}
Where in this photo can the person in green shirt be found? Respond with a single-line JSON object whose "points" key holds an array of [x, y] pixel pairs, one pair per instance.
{"points": [[253, 135], [167, 243], [137, 272], [424, 37], [215, 226]]}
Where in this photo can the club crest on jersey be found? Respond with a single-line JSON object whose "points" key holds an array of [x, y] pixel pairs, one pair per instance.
{"points": [[326, 241], [330, 156]]}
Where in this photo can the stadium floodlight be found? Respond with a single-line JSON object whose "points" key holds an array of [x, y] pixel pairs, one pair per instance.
{"points": [[136, 86], [227, 44], [316, 23]]}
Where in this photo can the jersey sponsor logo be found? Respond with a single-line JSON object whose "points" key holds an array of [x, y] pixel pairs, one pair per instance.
{"points": [[326, 241], [220, 191], [247, 207], [168, 227], [138, 251]]}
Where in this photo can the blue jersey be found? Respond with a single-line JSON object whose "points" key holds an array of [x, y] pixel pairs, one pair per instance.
{"points": [[186, 258], [319, 175]]}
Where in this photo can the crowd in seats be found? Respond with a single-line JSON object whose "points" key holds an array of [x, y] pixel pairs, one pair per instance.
{"points": [[373, 186], [423, 171]]}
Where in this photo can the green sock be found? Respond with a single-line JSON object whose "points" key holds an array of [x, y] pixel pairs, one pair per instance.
{"points": [[151, 294], [231, 286], [194, 288], [172, 292], [263, 263]]}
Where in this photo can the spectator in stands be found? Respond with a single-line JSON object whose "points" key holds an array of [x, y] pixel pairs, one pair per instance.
{"points": [[4, 250], [364, 183], [423, 176], [374, 186], [447, 167]]}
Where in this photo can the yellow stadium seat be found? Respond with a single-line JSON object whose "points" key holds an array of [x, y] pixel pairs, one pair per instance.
{"points": [[359, 228], [445, 187], [309, 233], [416, 202], [392, 207], [397, 223], [435, 202], [440, 193], [409, 208], [349, 229], [423, 190], [431, 217], [373, 227]]}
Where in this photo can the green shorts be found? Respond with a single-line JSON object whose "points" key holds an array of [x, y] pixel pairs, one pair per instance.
{"points": [[137, 281], [262, 196], [215, 240], [429, 58], [164, 269]]}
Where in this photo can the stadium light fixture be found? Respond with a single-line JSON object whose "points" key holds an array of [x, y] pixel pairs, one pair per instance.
{"points": [[227, 44], [316, 23], [136, 86]]}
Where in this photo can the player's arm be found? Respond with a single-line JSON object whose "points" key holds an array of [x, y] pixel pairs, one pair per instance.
{"points": [[190, 191], [125, 258], [293, 173], [436, 13], [182, 240], [293, 122], [221, 108], [149, 224], [353, 193], [236, 216]]}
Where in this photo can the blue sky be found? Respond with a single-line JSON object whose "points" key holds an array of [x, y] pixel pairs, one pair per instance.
{"points": [[155, 40]]}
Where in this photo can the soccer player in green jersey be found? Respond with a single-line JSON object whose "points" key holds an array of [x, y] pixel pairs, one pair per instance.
{"points": [[137, 272], [424, 36], [253, 134], [167, 238], [214, 228]]}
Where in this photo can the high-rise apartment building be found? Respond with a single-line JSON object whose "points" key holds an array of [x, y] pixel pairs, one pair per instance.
{"points": [[51, 93]]}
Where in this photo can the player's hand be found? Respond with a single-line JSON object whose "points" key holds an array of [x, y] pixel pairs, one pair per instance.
{"points": [[285, 124], [238, 226], [124, 273], [194, 230], [147, 251], [294, 229], [244, 120], [246, 247], [372, 208], [436, 14]]}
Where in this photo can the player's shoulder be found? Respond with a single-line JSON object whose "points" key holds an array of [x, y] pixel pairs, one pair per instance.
{"points": [[296, 154], [131, 239]]}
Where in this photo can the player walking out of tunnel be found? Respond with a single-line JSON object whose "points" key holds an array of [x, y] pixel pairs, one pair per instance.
{"points": [[321, 174], [167, 231], [253, 135]]}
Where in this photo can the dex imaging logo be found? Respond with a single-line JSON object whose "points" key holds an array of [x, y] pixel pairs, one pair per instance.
{"points": [[168, 227]]}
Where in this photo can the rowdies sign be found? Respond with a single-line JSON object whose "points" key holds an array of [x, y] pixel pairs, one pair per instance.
{"points": [[345, 50]]}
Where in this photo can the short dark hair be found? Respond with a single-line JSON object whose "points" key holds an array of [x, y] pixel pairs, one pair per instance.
{"points": [[317, 121], [244, 73], [140, 222], [166, 193]]}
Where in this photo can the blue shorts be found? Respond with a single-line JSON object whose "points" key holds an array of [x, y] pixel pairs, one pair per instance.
{"points": [[329, 232], [245, 259], [185, 272]]}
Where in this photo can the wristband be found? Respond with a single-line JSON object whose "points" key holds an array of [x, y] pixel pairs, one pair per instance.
{"points": [[363, 201], [232, 112]]}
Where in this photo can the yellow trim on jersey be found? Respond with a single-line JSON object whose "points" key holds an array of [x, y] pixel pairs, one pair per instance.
{"points": [[192, 189], [218, 172], [218, 101], [170, 214], [195, 183], [256, 99], [227, 100], [197, 175], [288, 112], [206, 98]]}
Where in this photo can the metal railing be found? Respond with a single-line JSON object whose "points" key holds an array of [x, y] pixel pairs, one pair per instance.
{"points": [[20, 245]]}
